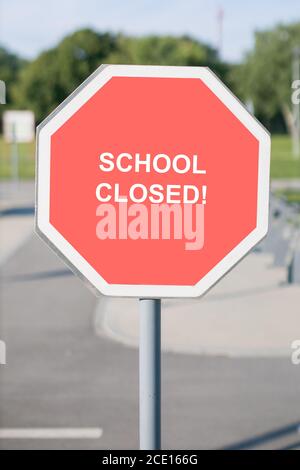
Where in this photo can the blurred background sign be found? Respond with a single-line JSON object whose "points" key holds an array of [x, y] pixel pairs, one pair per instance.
{"points": [[18, 126]]}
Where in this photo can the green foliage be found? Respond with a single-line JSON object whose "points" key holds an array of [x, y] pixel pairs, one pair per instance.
{"points": [[47, 81], [266, 75], [162, 50], [10, 65], [167, 50]]}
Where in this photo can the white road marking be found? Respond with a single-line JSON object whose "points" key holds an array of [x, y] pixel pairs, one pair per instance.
{"points": [[51, 433]]}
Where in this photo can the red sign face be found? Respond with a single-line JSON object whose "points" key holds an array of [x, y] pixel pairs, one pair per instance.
{"points": [[152, 181]]}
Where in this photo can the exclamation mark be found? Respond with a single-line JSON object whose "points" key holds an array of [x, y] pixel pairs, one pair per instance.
{"points": [[204, 189]]}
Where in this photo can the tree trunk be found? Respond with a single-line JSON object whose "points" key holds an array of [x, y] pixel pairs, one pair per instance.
{"points": [[293, 125], [288, 119]]}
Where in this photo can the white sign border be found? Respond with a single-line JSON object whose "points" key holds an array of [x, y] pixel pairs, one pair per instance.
{"points": [[66, 251]]}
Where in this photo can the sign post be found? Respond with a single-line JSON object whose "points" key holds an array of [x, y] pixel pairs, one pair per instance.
{"points": [[159, 164], [18, 127], [150, 373], [14, 156]]}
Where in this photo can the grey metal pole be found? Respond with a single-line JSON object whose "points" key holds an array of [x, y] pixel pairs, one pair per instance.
{"points": [[150, 372], [14, 157]]}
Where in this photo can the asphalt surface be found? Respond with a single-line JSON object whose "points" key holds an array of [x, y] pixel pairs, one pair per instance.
{"points": [[60, 374]]}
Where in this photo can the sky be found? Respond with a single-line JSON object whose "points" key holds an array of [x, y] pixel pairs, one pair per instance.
{"points": [[29, 26]]}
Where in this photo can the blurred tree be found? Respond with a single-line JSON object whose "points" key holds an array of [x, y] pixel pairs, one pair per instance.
{"points": [[266, 75], [10, 66], [162, 50], [168, 50], [46, 81]]}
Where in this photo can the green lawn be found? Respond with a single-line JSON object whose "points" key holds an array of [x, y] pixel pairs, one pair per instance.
{"points": [[283, 165], [26, 160]]}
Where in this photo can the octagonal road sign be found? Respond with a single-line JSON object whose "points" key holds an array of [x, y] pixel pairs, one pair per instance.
{"points": [[152, 181]]}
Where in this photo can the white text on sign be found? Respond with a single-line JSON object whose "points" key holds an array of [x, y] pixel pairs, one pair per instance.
{"points": [[175, 211]]}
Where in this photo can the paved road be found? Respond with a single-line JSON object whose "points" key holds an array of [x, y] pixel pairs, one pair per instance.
{"points": [[60, 374], [16, 211]]}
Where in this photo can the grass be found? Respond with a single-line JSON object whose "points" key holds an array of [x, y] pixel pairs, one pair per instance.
{"points": [[283, 165], [26, 160]]}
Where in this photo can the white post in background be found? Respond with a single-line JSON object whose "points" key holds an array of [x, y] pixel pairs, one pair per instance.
{"points": [[150, 373]]}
